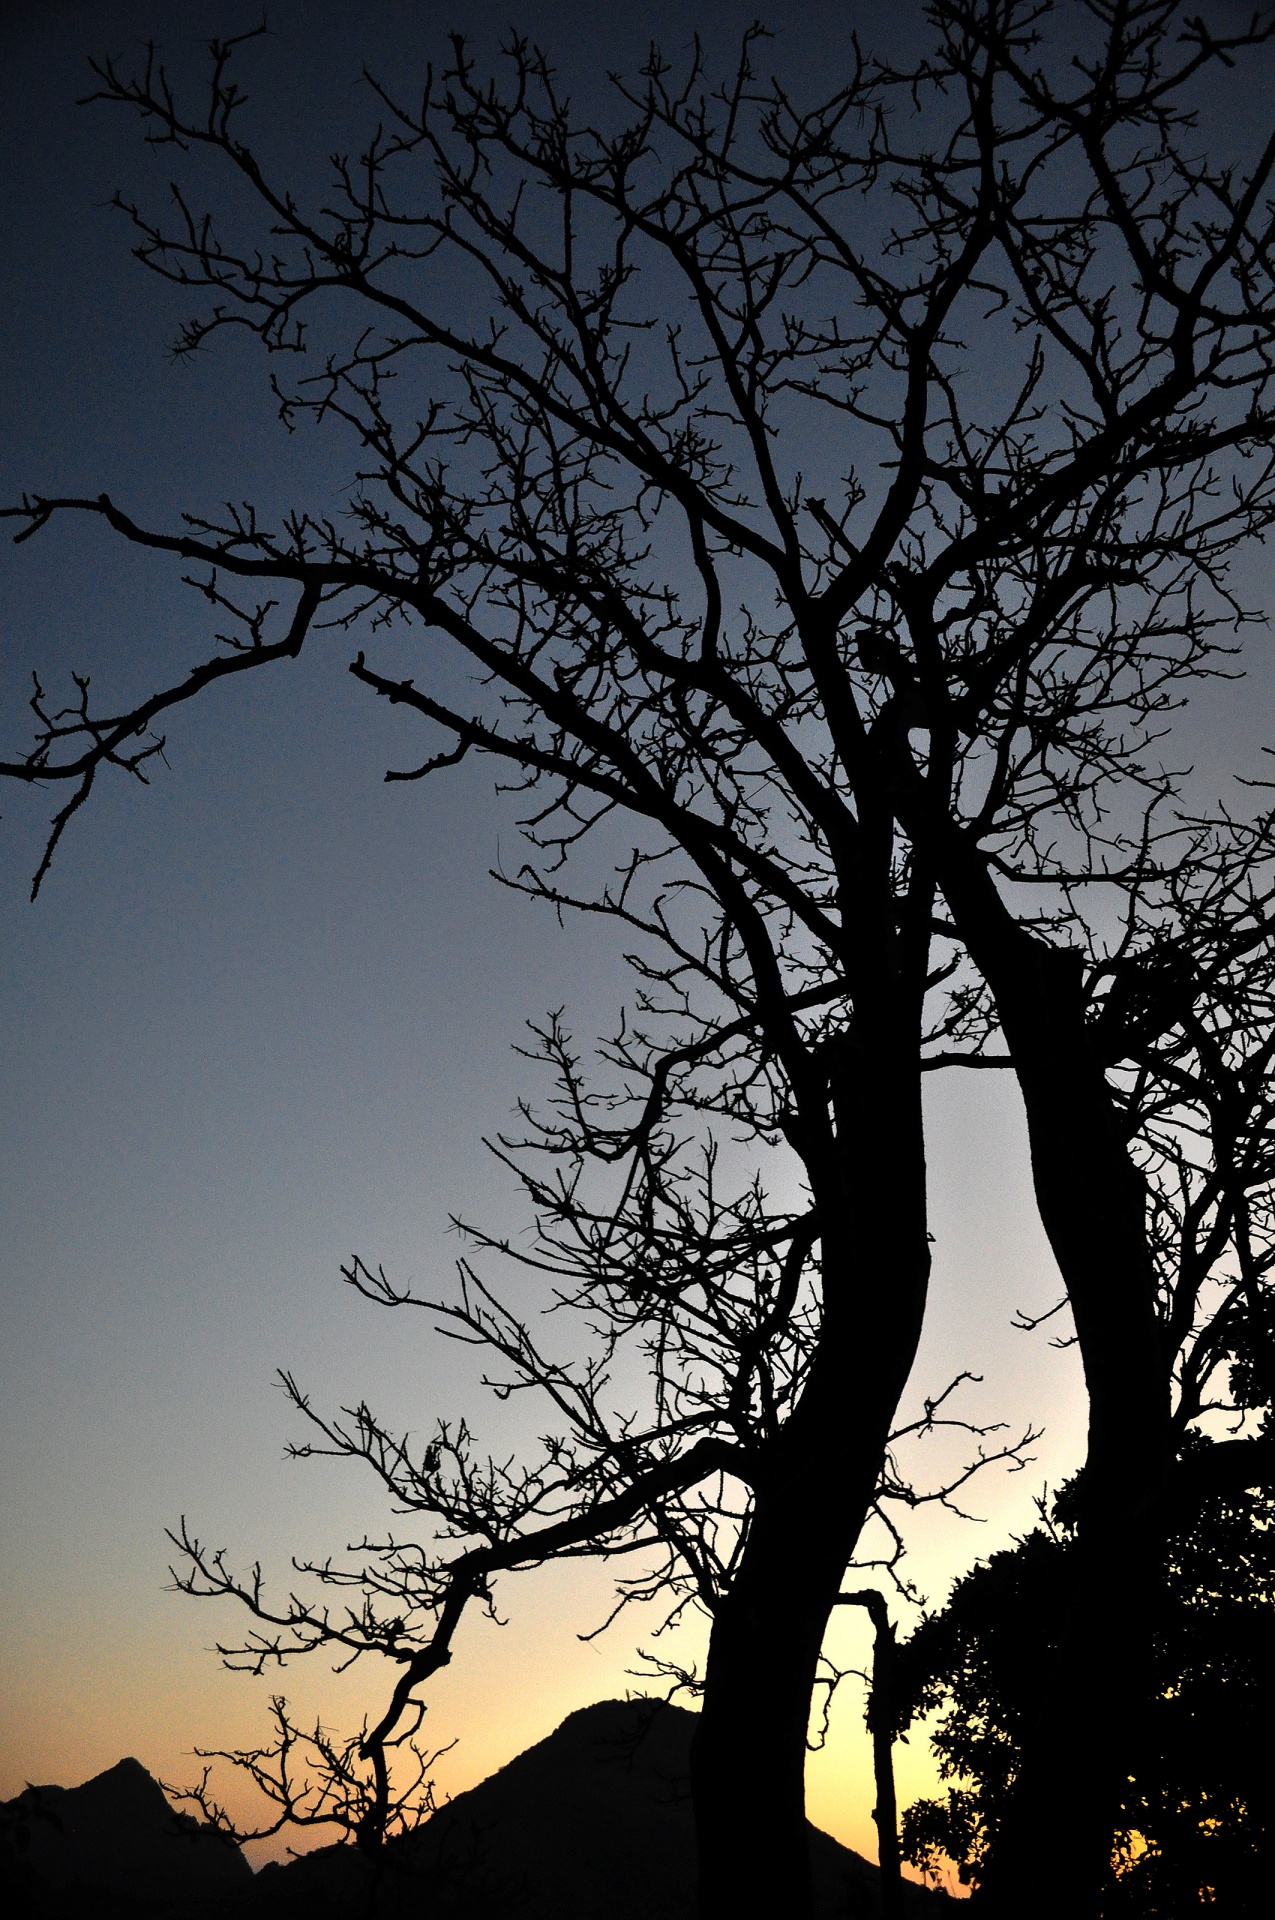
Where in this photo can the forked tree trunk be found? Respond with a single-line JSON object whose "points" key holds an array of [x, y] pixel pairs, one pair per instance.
{"points": [[748, 1758]]}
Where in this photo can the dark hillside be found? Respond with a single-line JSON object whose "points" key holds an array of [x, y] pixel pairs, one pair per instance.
{"points": [[113, 1849], [593, 1823]]}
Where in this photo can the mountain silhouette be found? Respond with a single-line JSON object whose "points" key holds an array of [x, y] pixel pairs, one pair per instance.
{"points": [[113, 1849], [592, 1823]]}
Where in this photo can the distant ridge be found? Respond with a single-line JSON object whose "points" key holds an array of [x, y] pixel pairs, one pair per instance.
{"points": [[592, 1823]]}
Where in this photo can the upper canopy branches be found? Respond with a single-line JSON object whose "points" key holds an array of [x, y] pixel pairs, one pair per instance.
{"points": [[1035, 323], [843, 494]]}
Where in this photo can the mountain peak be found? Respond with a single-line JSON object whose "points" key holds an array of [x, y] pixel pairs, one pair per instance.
{"points": [[593, 1822], [115, 1841]]}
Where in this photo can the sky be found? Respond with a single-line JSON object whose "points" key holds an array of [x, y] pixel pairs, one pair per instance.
{"points": [[264, 1011]]}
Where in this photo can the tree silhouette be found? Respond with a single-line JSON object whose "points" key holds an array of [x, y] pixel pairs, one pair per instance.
{"points": [[1195, 1818], [1191, 1815], [319, 1779], [840, 498]]}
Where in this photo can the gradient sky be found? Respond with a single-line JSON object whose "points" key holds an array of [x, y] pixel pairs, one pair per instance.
{"points": [[263, 1012]]}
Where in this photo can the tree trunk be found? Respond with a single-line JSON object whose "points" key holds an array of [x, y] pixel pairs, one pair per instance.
{"points": [[1057, 1838], [881, 1726], [749, 1753]]}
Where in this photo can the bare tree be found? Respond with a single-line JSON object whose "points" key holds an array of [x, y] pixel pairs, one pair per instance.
{"points": [[722, 1309], [321, 1780], [1018, 325], [610, 695]]}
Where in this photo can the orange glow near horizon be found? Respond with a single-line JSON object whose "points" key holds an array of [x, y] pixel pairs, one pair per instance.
{"points": [[87, 1707], [151, 1691]]}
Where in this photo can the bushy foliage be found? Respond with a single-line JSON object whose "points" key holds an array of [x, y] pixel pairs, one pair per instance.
{"points": [[1197, 1823]]}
